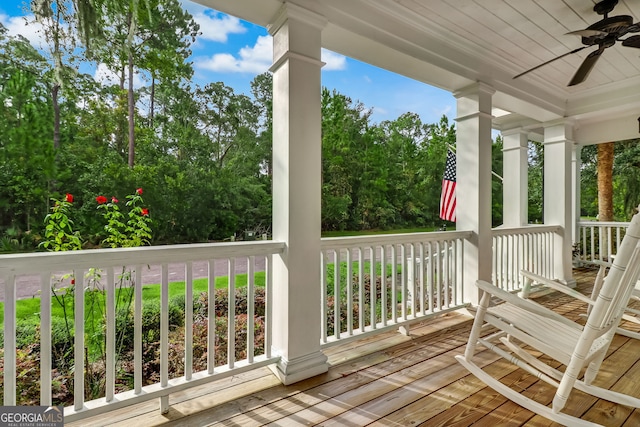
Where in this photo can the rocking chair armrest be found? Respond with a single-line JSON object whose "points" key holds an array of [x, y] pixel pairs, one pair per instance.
{"points": [[524, 304], [599, 263], [556, 285]]}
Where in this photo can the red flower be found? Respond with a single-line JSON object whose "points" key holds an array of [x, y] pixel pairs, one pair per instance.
{"points": [[145, 212], [73, 281], [113, 199], [69, 198], [139, 191], [101, 200]]}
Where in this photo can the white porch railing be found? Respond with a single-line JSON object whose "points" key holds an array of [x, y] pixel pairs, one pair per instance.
{"points": [[369, 284], [599, 240], [530, 248], [47, 266], [374, 283]]}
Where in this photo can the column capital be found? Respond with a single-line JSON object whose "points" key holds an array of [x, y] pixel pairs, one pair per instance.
{"points": [[515, 131], [559, 122], [293, 11], [474, 89]]}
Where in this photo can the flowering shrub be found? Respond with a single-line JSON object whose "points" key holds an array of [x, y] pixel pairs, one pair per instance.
{"points": [[122, 230], [58, 230], [135, 231]]}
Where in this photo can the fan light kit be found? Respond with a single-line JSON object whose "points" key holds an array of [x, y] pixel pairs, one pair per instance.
{"points": [[603, 34]]}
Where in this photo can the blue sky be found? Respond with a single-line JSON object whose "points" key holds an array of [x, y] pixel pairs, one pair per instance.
{"points": [[234, 52]]}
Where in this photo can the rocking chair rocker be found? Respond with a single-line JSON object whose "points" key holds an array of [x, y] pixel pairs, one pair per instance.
{"points": [[523, 323]]}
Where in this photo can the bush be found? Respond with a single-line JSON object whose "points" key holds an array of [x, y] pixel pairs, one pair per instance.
{"points": [[62, 345]]}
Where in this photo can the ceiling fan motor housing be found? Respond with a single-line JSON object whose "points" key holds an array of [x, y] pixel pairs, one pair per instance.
{"points": [[613, 28]]}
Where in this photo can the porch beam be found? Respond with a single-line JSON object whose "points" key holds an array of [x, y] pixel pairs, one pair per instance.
{"points": [[297, 192], [473, 189], [515, 177], [558, 193]]}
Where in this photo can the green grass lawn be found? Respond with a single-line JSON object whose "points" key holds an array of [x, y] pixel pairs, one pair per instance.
{"points": [[30, 308], [370, 232]]}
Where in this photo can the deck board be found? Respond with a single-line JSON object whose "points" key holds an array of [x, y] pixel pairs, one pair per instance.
{"points": [[394, 380]]}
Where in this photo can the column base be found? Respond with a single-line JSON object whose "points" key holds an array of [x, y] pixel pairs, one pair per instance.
{"points": [[292, 371], [571, 283]]}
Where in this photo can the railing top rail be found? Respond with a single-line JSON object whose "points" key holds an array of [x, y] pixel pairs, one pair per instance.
{"points": [[30, 263], [602, 224], [528, 229], [388, 239]]}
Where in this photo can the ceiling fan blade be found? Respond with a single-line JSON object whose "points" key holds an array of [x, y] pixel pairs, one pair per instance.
{"points": [[550, 61], [633, 41], [587, 33], [586, 67]]}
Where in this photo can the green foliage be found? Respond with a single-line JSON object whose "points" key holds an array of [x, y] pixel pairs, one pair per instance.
{"points": [[58, 232]]}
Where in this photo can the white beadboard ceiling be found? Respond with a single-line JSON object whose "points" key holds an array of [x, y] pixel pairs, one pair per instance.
{"points": [[452, 44]]}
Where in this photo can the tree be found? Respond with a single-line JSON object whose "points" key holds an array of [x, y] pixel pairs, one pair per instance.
{"points": [[57, 21], [605, 181]]}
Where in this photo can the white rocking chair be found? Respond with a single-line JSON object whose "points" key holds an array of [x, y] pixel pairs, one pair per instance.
{"points": [[523, 323], [630, 314]]}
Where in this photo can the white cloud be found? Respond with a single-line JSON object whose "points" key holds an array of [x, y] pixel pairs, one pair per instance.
{"points": [[24, 26], [334, 61], [217, 27], [258, 58], [106, 77], [251, 59]]}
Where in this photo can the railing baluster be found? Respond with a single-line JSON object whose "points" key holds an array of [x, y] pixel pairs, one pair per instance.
{"points": [[231, 310], [423, 310], [10, 341], [188, 320], [211, 316], [412, 251], [110, 380], [137, 330], [337, 300], [349, 285], [251, 297], [394, 284], [45, 339], [383, 285], [78, 339], [267, 301], [361, 288], [404, 274], [430, 278], [164, 335], [447, 275], [374, 287], [324, 289]]}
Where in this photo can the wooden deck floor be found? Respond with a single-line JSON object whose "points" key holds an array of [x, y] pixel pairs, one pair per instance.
{"points": [[395, 380]]}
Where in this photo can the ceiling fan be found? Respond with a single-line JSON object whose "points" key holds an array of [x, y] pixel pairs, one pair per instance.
{"points": [[603, 34]]}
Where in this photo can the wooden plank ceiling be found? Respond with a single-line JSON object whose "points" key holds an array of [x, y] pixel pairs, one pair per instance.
{"points": [[530, 32]]}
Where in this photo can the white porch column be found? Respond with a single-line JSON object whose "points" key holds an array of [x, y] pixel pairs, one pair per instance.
{"points": [[515, 178], [473, 188], [558, 193], [576, 165], [296, 192]]}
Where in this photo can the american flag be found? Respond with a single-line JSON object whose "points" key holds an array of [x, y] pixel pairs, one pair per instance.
{"points": [[448, 196]]}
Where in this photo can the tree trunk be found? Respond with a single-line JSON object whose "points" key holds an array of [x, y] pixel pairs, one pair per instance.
{"points": [[605, 181], [56, 117], [153, 96], [131, 112]]}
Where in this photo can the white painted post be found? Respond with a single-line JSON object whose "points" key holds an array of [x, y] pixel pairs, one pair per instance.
{"points": [[515, 174], [576, 165], [297, 184], [558, 194], [473, 189]]}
